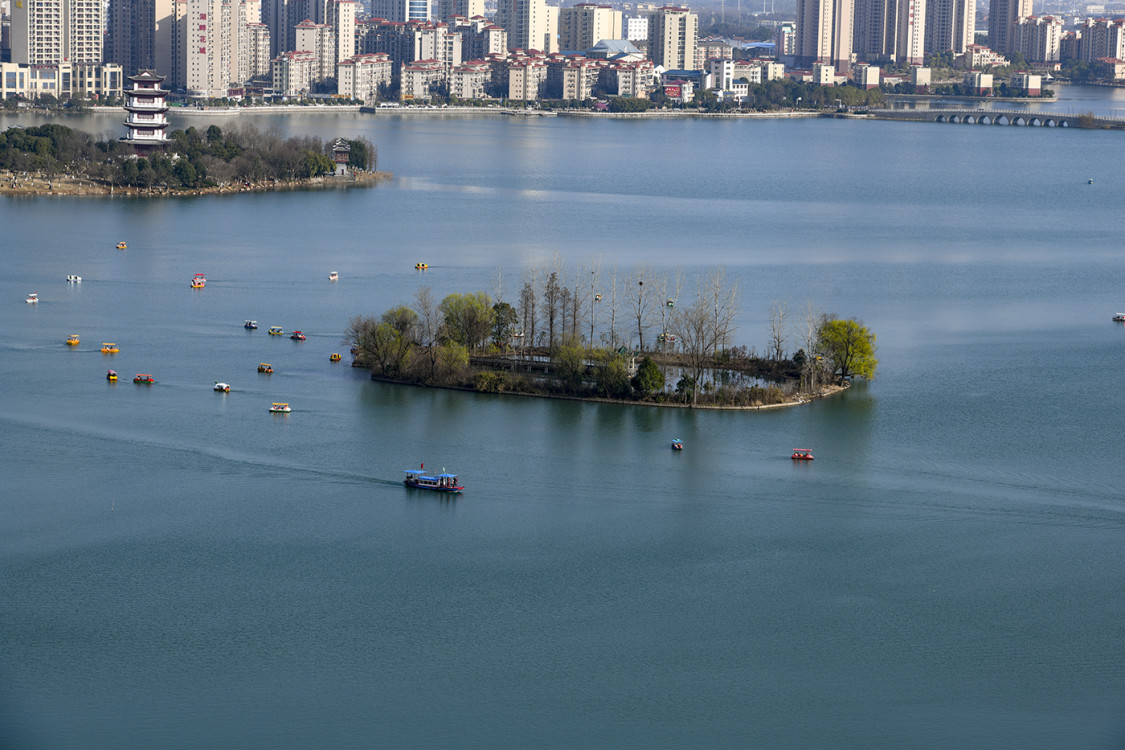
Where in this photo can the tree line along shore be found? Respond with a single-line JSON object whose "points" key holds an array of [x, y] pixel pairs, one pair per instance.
{"points": [[620, 336], [55, 159]]}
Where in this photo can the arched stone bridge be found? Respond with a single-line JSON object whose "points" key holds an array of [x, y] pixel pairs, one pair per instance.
{"points": [[999, 117]]}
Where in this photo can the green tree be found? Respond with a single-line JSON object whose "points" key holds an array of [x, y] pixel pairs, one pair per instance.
{"points": [[453, 360], [185, 173], [468, 318], [848, 346], [379, 344], [404, 320], [504, 320], [628, 104], [570, 365], [611, 375], [648, 379]]}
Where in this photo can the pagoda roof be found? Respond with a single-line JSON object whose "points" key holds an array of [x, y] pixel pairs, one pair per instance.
{"points": [[147, 75]]}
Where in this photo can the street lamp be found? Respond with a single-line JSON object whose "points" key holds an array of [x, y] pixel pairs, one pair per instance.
{"points": [[798, 103]]}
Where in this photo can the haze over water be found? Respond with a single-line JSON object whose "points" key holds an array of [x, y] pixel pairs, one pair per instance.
{"points": [[184, 569]]}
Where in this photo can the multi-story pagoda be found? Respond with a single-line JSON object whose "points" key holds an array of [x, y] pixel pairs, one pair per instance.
{"points": [[146, 121]]}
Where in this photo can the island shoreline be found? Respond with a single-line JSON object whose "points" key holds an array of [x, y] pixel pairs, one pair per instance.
{"points": [[824, 392]]}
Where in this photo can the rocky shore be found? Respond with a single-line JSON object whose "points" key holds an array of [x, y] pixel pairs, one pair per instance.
{"points": [[30, 183]]}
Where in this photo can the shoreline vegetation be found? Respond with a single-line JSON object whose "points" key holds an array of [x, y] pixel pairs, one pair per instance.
{"points": [[611, 337], [53, 159]]}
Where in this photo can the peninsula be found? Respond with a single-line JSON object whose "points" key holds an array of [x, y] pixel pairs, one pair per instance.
{"points": [[57, 160]]}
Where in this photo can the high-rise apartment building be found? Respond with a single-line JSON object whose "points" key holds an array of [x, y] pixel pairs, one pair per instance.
{"points": [[531, 24], [1038, 38], [447, 10], [824, 33], [672, 35], [1101, 38], [401, 10], [584, 25], [889, 30], [1002, 18], [318, 39], [340, 16], [950, 25], [785, 39], [480, 38], [45, 32], [282, 17], [256, 52], [207, 48]]}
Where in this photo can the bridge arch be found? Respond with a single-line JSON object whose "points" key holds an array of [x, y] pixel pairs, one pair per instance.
{"points": [[985, 120], [1035, 122], [941, 118], [970, 120], [955, 118], [1019, 121], [1003, 120]]}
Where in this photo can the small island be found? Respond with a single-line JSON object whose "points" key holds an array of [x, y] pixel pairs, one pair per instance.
{"points": [[56, 160], [623, 340]]}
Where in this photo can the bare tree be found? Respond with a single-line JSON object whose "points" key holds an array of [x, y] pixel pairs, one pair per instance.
{"points": [[613, 308], [640, 301], [696, 329], [498, 285], [779, 312], [552, 302], [669, 291], [577, 302], [723, 299], [430, 320], [595, 268], [810, 326]]}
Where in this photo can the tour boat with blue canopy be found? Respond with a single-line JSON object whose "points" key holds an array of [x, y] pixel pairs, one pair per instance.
{"points": [[677, 445], [419, 479], [251, 325], [1119, 317]]}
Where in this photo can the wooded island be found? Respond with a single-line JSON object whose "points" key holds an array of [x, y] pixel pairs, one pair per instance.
{"points": [[624, 338]]}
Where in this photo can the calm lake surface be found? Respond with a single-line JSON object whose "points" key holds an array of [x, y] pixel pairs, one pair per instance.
{"points": [[182, 569]]}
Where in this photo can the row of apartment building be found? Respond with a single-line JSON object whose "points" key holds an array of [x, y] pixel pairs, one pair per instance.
{"points": [[208, 47], [840, 32]]}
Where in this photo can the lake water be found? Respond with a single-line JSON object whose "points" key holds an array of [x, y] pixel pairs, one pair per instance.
{"points": [[183, 569]]}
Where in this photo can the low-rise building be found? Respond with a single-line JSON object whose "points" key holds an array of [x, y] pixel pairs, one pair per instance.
{"points": [[866, 76], [632, 78], [1112, 68], [64, 80], [360, 77], [469, 80], [680, 91], [1029, 84], [979, 56], [711, 49], [721, 73], [978, 83], [292, 73], [526, 79], [420, 80], [824, 74], [920, 77]]}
